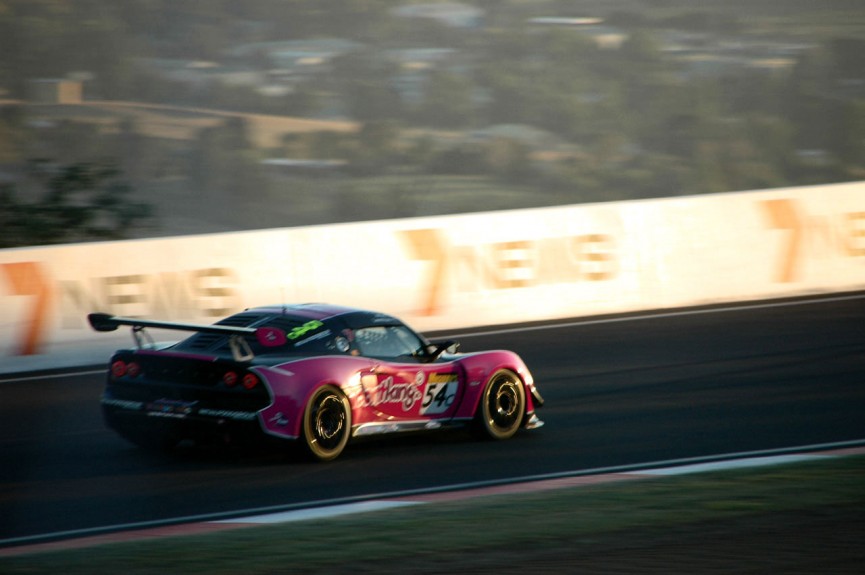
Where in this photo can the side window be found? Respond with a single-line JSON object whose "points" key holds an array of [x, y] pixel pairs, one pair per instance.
{"points": [[389, 341]]}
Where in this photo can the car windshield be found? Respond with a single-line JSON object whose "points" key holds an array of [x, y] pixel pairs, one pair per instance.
{"points": [[389, 341]]}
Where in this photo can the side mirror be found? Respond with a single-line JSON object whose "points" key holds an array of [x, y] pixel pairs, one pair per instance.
{"points": [[436, 349]]}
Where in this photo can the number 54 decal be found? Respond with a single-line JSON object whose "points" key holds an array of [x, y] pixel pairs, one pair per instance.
{"points": [[441, 389]]}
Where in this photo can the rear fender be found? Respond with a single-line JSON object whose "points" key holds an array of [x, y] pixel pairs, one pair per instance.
{"points": [[291, 384]]}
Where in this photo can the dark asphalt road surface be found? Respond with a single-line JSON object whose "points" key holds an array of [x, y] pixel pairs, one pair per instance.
{"points": [[628, 391]]}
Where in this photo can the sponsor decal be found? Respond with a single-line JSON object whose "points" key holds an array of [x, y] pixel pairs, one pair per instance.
{"points": [[304, 329], [279, 419], [509, 265], [270, 336], [435, 393], [808, 236], [440, 392], [208, 292], [228, 414], [123, 404], [324, 334], [170, 408], [29, 279], [387, 391]]}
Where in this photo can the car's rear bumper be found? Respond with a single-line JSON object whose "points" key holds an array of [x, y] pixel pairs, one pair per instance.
{"points": [[157, 422]]}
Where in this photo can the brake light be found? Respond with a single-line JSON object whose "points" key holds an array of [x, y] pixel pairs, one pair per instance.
{"points": [[232, 378], [118, 369], [121, 369], [249, 381]]}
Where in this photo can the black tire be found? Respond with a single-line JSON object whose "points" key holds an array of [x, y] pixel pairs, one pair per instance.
{"points": [[326, 423], [503, 405]]}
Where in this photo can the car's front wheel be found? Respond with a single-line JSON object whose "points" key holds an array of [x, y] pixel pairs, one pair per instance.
{"points": [[326, 423], [503, 405]]}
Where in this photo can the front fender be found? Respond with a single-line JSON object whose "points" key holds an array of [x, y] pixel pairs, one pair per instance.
{"points": [[479, 367]]}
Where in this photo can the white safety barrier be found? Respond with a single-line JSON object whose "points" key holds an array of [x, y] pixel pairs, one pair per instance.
{"points": [[444, 272]]}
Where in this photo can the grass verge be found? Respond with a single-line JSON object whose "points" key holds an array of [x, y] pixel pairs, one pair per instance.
{"points": [[449, 537]]}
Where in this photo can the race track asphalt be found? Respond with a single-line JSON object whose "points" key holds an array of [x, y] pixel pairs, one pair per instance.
{"points": [[619, 391]]}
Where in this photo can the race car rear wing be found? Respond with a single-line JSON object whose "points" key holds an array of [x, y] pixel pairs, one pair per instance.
{"points": [[240, 350]]}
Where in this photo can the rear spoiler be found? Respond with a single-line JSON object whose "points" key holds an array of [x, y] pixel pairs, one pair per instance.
{"points": [[266, 336]]}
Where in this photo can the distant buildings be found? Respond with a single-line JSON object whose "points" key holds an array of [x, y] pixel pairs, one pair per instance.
{"points": [[602, 36], [453, 14], [296, 54], [55, 91]]}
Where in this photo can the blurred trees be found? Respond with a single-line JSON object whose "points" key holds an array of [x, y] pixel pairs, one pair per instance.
{"points": [[51, 38], [447, 101], [15, 134], [850, 146], [629, 122], [364, 79], [225, 169], [76, 202]]}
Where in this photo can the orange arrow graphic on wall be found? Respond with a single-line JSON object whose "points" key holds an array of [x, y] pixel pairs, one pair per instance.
{"points": [[27, 279]]}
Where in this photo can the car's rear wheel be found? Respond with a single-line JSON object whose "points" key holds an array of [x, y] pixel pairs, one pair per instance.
{"points": [[503, 405], [326, 423]]}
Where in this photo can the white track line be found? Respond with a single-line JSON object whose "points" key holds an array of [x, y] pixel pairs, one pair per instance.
{"points": [[746, 463], [662, 315], [321, 512], [743, 460], [204, 523], [552, 325], [53, 375]]}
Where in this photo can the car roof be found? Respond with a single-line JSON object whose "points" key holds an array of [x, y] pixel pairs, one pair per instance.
{"points": [[319, 311], [353, 317]]}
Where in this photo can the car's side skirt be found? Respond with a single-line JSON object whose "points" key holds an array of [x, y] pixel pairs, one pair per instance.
{"points": [[378, 428]]}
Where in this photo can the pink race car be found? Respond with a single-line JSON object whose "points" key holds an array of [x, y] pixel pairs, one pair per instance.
{"points": [[314, 374]]}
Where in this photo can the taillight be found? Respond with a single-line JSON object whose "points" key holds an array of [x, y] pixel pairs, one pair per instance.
{"points": [[232, 378], [249, 381], [118, 369], [122, 369], [229, 379]]}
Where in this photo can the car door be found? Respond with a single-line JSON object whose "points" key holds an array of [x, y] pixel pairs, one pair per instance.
{"points": [[400, 384]]}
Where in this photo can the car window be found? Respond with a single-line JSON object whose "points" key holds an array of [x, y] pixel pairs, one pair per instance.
{"points": [[391, 341], [303, 337]]}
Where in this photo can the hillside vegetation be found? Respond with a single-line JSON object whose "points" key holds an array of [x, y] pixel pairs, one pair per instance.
{"points": [[237, 115]]}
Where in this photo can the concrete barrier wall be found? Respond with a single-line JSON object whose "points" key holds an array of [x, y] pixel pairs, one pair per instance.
{"points": [[444, 272]]}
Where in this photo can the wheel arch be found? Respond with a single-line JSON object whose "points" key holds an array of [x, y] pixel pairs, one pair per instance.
{"points": [[292, 384], [479, 370], [317, 445]]}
